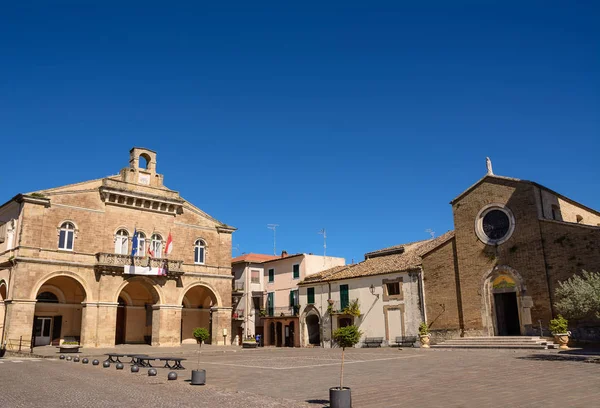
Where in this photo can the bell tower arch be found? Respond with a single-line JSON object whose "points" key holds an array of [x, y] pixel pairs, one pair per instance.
{"points": [[142, 168]]}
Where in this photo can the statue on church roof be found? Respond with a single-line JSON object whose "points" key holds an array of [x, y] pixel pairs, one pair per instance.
{"points": [[488, 163]]}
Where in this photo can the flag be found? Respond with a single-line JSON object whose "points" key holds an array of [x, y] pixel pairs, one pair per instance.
{"points": [[134, 242], [169, 246], [150, 244]]}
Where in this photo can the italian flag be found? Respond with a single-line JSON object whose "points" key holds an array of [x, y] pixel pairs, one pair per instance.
{"points": [[169, 246]]}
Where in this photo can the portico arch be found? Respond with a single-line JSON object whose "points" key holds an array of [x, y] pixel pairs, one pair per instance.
{"points": [[197, 301], [136, 299], [311, 326], [58, 310], [506, 305], [45, 280]]}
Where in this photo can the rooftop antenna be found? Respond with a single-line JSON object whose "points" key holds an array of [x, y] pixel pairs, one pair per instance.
{"points": [[430, 232], [274, 228], [236, 248], [324, 233]]}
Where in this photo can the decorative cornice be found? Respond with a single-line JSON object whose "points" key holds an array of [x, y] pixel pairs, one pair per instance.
{"points": [[21, 198]]}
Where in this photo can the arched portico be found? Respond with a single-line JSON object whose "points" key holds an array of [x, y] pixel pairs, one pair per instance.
{"points": [[311, 327], [198, 301], [506, 305], [136, 313]]}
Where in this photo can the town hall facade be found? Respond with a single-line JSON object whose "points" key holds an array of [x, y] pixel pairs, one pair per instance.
{"points": [[92, 262]]}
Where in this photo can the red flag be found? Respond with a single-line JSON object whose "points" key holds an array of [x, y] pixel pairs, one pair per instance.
{"points": [[169, 246]]}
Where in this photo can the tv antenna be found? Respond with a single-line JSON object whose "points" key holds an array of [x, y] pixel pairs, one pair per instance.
{"points": [[236, 248], [274, 228], [324, 233], [430, 232]]}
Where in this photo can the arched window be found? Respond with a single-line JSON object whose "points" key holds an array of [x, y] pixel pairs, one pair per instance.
{"points": [[47, 297], [66, 236], [122, 242], [156, 246], [199, 248], [141, 248]]}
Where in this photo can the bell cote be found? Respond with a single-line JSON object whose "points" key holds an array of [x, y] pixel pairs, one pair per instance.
{"points": [[142, 168]]}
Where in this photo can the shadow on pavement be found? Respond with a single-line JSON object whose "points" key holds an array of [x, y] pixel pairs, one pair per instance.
{"points": [[575, 355], [324, 403]]}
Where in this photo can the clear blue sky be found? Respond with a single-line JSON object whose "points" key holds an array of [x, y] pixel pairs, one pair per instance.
{"points": [[364, 119]]}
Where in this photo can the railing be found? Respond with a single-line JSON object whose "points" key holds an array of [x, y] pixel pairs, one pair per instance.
{"points": [[116, 262], [280, 311], [238, 314], [19, 345]]}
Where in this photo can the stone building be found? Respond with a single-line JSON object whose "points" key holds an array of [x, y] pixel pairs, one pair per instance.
{"points": [[91, 262], [514, 240]]}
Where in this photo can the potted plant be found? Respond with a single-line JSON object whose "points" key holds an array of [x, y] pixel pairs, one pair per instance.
{"points": [[69, 347], [559, 329], [349, 336], [249, 342], [424, 335], [199, 376]]}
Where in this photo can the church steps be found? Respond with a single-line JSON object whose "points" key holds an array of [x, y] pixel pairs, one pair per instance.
{"points": [[503, 342]]}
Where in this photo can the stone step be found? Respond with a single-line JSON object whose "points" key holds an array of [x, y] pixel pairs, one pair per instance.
{"points": [[491, 346], [502, 341]]}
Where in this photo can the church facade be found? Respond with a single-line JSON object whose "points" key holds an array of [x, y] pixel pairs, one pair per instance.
{"points": [[122, 259], [513, 242]]}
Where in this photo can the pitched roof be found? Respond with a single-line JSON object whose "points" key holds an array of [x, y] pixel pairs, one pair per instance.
{"points": [[394, 259], [251, 257]]}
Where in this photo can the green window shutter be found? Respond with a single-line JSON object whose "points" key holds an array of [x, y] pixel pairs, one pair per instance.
{"points": [[271, 275], [296, 271], [291, 298], [310, 293], [344, 297], [271, 304]]}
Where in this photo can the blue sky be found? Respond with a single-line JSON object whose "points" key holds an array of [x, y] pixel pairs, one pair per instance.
{"points": [[363, 118]]}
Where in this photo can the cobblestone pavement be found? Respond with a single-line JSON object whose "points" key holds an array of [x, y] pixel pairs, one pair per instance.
{"points": [[301, 377]]}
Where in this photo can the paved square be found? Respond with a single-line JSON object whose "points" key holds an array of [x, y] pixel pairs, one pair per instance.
{"points": [[302, 377]]}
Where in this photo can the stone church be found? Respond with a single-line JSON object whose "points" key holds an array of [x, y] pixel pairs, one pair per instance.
{"points": [[121, 259], [497, 272]]}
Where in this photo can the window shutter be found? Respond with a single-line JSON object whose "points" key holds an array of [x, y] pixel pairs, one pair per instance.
{"points": [[310, 293], [291, 298], [296, 271], [344, 298]]}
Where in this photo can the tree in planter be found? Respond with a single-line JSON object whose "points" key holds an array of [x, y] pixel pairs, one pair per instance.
{"points": [[560, 329], [201, 334], [347, 336], [579, 296]]}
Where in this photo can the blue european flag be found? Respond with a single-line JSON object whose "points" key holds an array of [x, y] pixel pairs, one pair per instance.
{"points": [[134, 242]]}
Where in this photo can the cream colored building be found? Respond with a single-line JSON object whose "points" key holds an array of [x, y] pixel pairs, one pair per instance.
{"points": [[67, 270]]}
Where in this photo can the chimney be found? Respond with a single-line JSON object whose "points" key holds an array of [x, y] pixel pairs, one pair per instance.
{"points": [[283, 253]]}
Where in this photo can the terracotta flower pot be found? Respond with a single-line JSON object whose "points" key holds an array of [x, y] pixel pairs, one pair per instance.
{"points": [[424, 338], [562, 339]]}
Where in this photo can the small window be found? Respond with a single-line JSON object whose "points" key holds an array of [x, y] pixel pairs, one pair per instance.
{"points": [[393, 289], [254, 276], [296, 271], [256, 302], [156, 246], [199, 250], [271, 275], [66, 236], [579, 218], [122, 242], [556, 213], [310, 294]]}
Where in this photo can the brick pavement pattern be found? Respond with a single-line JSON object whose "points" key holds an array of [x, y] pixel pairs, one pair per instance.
{"points": [[302, 377]]}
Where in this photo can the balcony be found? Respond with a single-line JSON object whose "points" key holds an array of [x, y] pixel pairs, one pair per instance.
{"points": [[237, 288], [238, 314], [288, 311], [114, 264]]}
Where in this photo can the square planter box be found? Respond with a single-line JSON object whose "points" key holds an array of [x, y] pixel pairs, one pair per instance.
{"points": [[249, 345], [69, 348]]}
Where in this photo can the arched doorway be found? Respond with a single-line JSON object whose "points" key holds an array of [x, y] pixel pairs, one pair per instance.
{"points": [[58, 311], [272, 340], [313, 329], [135, 312], [2, 307], [279, 335], [197, 303], [506, 306]]}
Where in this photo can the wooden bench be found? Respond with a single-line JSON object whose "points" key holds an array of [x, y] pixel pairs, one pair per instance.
{"points": [[405, 341], [373, 342]]}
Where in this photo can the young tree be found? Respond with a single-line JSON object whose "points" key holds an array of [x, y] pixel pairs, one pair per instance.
{"points": [[579, 296], [201, 334], [346, 337]]}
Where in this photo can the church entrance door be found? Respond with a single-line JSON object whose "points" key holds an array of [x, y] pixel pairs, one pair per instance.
{"points": [[507, 314]]}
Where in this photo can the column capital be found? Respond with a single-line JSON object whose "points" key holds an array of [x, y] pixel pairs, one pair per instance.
{"points": [[172, 307], [221, 309], [99, 304]]}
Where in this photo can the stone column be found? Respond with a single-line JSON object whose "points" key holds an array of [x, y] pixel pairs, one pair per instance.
{"points": [[19, 320], [98, 324], [221, 325], [166, 325]]}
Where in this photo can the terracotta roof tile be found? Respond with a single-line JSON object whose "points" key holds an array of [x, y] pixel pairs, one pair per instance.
{"points": [[251, 257], [409, 259]]}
